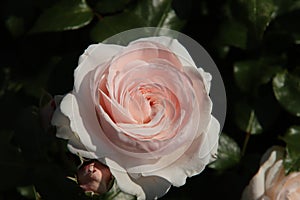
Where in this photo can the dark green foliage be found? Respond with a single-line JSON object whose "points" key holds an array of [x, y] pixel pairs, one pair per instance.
{"points": [[255, 44]]}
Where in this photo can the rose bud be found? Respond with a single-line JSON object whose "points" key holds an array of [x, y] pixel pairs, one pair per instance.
{"points": [[94, 177]]}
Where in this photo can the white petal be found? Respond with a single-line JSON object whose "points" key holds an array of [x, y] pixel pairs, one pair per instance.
{"points": [[256, 187], [86, 53], [63, 129], [83, 122], [201, 88], [92, 58], [124, 182], [209, 145], [207, 78], [273, 174], [151, 187], [192, 162]]}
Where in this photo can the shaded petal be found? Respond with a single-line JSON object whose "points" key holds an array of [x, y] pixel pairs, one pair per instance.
{"points": [[124, 182], [63, 129], [256, 187], [83, 122], [153, 186], [150, 187]]}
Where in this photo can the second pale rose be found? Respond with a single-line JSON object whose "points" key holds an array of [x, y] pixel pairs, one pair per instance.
{"points": [[271, 182]]}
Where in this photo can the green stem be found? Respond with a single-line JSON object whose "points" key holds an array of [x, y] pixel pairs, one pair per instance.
{"points": [[246, 143], [248, 132]]}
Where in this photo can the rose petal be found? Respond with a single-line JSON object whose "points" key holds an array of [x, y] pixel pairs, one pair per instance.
{"points": [[150, 187], [274, 174], [124, 181], [201, 86], [256, 187], [63, 129], [92, 58], [190, 164], [85, 125], [153, 186], [178, 49]]}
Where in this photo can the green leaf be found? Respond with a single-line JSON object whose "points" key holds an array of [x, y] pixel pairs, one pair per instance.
{"points": [[292, 160], [15, 25], [246, 119], [233, 33], [148, 13], [11, 161], [109, 6], [64, 15], [288, 23], [285, 6], [266, 107], [286, 87], [229, 153], [29, 192], [258, 14], [250, 74]]}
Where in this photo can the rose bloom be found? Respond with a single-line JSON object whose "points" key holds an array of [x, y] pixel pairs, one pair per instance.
{"points": [[271, 182], [144, 111]]}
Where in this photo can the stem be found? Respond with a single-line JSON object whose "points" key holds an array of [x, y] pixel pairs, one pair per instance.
{"points": [[248, 132]]}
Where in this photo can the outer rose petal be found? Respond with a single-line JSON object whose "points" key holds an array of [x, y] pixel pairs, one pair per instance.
{"points": [[191, 163], [201, 84], [93, 56], [175, 47], [63, 128], [256, 187], [85, 127]]}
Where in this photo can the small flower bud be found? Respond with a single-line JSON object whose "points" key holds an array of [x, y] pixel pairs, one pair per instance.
{"points": [[94, 177]]}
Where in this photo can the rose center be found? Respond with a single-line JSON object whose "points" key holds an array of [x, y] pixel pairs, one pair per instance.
{"points": [[143, 104]]}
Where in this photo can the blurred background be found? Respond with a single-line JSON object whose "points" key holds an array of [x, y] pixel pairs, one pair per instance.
{"points": [[254, 43]]}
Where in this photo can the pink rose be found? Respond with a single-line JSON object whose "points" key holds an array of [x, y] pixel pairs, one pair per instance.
{"points": [[270, 182], [144, 111], [94, 177]]}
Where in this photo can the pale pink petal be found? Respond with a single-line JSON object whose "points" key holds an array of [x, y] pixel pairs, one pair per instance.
{"points": [[209, 140], [203, 99], [274, 174], [256, 187], [190, 164], [92, 58], [178, 49]]}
